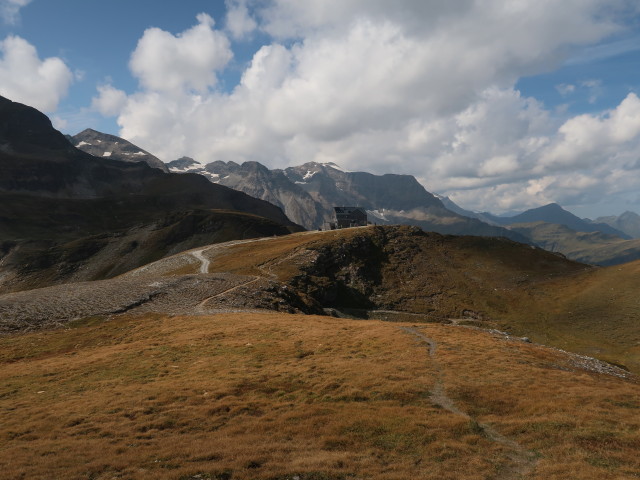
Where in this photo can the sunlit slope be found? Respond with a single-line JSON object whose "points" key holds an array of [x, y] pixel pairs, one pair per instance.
{"points": [[372, 272], [275, 396], [596, 313], [487, 281]]}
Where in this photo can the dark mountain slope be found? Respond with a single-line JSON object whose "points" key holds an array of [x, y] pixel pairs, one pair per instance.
{"points": [[52, 193]]}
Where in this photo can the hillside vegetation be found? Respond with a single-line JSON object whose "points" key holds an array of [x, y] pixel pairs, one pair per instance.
{"points": [[277, 396], [495, 283], [375, 272]]}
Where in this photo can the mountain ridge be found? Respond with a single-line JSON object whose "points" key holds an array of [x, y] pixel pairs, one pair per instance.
{"points": [[109, 146], [308, 193], [55, 196], [554, 213], [627, 222]]}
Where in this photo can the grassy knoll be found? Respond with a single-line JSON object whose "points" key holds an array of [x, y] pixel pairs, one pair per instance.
{"points": [[496, 283], [244, 396]]}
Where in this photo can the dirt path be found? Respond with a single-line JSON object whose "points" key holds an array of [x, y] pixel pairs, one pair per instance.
{"points": [[201, 306], [204, 261], [521, 461]]}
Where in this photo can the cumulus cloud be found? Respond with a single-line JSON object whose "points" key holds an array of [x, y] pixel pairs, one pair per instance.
{"points": [[110, 101], [168, 63], [239, 22], [415, 86], [25, 78], [10, 10], [586, 159]]}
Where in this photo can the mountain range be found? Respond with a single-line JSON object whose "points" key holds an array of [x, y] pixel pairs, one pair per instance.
{"points": [[554, 213], [68, 215], [628, 222], [307, 194]]}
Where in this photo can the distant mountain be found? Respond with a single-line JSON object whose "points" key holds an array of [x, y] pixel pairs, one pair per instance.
{"points": [[104, 145], [56, 201], [274, 186], [554, 213], [329, 185], [308, 193], [184, 164], [596, 248], [451, 205], [628, 222]]}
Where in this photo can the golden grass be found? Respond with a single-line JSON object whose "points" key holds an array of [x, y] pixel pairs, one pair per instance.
{"points": [[582, 425], [592, 311], [595, 313], [271, 257], [272, 396]]}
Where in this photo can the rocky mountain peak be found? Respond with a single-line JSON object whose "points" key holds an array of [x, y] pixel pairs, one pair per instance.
{"points": [[112, 147]]}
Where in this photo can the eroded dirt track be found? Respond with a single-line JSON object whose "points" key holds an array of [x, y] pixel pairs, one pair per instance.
{"points": [[521, 461]]}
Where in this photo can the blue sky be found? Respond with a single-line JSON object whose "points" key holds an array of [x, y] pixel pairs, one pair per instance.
{"points": [[501, 106]]}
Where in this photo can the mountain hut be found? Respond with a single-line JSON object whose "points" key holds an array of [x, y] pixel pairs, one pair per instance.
{"points": [[350, 217]]}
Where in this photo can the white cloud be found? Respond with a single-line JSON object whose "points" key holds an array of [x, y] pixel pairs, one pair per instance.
{"points": [[415, 86], [168, 63], [586, 140], [239, 22], [25, 78], [10, 10], [565, 89], [587, 159], [110, 101]]}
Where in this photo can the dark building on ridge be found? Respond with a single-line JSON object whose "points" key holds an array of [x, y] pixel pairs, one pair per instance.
{"points": [[350, 217]]}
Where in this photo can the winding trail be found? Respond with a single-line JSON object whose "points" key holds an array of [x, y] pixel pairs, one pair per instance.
{"points": [[204, 261], [521, 461], [201, 307]]}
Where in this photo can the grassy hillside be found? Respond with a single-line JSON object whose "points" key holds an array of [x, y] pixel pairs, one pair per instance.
{"points": [[275, 396], [395, 273], [488, 282], [595, 313]]}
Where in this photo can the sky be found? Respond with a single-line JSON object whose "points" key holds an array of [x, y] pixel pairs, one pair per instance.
{"points": [[500, 105]]}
